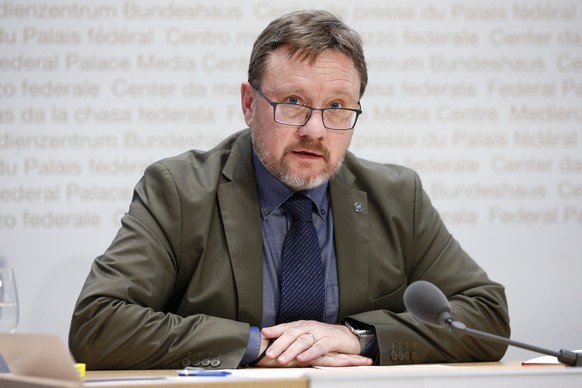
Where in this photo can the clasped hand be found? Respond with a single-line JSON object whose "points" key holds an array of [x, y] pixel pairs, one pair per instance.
{"points": [[311, 343]]}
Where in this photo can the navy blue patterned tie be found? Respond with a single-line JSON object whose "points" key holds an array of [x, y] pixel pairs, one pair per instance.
{"points": [[302, 282]]}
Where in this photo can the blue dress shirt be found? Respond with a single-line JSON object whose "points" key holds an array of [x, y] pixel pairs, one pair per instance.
{"points": [[272, 194]]}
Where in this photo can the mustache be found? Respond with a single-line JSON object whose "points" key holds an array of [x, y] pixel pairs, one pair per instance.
{"points": [[309, 145]]}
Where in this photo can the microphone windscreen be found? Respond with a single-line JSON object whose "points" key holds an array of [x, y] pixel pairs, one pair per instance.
{"points": [[427, 303]]}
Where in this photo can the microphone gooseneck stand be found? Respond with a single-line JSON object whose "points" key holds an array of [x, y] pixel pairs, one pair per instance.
{"points": [[567, 357]]}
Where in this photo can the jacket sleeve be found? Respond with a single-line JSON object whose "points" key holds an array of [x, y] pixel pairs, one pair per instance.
{"points": [[130, 313], [429, 252]]}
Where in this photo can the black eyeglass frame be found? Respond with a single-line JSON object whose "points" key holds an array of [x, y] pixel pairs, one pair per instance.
{"points": [[322, 110]]}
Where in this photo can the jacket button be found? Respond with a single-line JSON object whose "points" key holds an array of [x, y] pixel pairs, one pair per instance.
{"points": [[205, 363], [215, 363], [401, 355], [196, 363], [413, 356], [185, 362], [394, 355]]}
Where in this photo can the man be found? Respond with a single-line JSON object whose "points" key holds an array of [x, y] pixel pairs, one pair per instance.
{"points": [[202, 271]]}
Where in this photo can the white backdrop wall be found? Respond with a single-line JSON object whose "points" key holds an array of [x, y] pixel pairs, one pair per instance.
{"points": [[483, 99]]}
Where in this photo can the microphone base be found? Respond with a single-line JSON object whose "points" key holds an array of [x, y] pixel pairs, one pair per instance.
{"points": [[569, 357]]}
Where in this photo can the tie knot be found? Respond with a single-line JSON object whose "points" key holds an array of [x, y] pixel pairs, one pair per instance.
{"points": [[299, 207]]}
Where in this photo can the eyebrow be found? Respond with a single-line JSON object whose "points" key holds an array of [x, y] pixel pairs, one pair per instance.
{"points": [[339, 93]]}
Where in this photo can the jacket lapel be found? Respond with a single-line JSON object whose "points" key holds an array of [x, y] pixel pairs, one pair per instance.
{"points": [[352, 246], [239, 207]]}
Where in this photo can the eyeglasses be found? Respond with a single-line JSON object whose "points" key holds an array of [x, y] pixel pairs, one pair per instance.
{"points": [[338, 119]]}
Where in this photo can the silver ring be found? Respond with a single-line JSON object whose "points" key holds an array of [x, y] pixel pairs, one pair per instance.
{"points": [[312, 337]]}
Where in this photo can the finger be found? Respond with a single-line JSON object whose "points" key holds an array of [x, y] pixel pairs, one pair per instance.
{"points": [[298, 327], [280, 345], [287, 337], [318, 349], [299, 346], [274, 331], [267, 363], [328, 360], [274, 364], [340, 359]]}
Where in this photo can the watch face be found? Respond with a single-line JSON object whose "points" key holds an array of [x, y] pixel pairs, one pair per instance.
{"points": [[360, 332]]}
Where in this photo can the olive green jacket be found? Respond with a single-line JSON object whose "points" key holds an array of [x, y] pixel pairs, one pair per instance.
{"points": [[182, 280]]}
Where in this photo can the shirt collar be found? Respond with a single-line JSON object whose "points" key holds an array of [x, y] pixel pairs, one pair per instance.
{"points": [[272, 192]]}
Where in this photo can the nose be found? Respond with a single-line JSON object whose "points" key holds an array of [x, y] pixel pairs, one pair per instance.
{"points": [[313, 128]]}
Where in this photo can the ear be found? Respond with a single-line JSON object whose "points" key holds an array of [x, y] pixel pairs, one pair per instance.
{"points": [[247, 97]]}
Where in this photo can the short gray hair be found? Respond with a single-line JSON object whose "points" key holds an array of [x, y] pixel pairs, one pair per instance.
{"points": [[308, 34]]}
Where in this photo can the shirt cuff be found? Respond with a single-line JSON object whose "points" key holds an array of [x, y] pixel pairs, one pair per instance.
{"points": [[253, 346]]}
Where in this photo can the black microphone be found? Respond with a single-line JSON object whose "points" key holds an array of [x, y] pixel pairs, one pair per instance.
{"points": [[428, 304]]}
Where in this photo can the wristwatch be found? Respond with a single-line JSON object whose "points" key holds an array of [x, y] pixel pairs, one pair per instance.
{"points": [[364, 335]]}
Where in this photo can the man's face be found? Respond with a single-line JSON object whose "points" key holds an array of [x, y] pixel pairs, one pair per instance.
{"points": [[307, 156]]}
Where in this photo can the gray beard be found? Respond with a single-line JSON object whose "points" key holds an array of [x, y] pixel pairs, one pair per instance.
{"points": [[293, 181]]}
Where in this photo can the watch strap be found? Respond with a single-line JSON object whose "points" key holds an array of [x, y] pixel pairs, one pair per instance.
{"points": [[365, 334]]}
